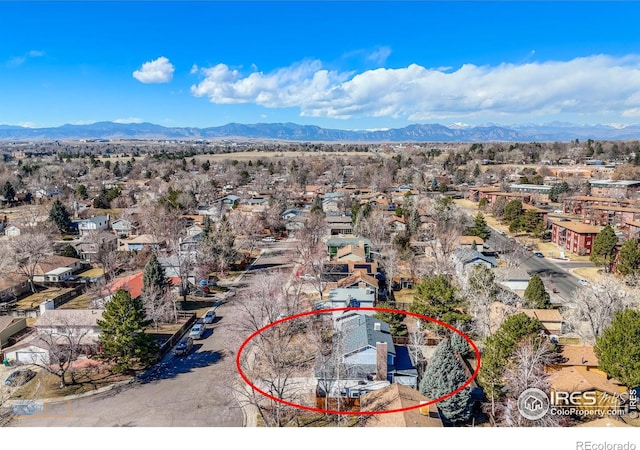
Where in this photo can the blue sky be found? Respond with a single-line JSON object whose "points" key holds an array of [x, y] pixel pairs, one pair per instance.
{"points": [[349, 65]]}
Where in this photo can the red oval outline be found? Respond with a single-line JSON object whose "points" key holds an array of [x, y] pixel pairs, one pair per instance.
{"points": [[358, 413]]}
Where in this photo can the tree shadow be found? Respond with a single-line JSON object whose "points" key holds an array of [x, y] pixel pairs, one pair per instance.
{"points": [[179, 365]]}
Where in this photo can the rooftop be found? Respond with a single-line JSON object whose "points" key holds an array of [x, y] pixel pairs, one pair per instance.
{"points": [[577, 227]]}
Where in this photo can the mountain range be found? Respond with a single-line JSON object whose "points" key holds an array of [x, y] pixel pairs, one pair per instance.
{"points": [[551, 132]]}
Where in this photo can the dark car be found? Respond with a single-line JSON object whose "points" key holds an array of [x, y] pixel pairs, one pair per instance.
{"points": [[183, 347], [539, 254], [19, 377]]}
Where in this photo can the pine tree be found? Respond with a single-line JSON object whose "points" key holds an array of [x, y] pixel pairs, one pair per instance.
{"points": [[8, 192], [59, 215], [154, 278], [629, 258], [122, 335], [535, 295], [480, 227], [617, 349], [437, 297], [443, 375], [604, 247], [459, 344]]}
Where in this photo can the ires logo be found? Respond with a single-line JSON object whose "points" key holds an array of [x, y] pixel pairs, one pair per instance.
{"points": [[573, 399]]}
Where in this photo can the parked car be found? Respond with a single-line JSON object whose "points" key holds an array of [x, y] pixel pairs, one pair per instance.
{"points": [[183, 347], [197, 331], [539, 254], [583, 282], [209, 316], [501, 232], [19, 377], [269, 239]]}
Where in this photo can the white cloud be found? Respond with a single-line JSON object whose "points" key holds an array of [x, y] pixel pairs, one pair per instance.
{"points": [[129, 120], [380, 55], [194, 69], [157, 71], [17, 61], [586, 85]]}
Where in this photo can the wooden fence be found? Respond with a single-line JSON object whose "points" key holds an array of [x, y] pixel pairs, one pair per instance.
{"points": [[173, 340]]}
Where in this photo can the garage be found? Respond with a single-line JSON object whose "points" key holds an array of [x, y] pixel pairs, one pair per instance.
{"points": [[30, 357]]}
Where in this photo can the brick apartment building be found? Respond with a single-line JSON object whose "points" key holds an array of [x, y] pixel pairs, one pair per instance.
{"points": [[573, 236]]}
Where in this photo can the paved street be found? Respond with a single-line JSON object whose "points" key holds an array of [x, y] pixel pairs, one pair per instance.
{"points": [[196, 390], [187, 391], [555, 270]]}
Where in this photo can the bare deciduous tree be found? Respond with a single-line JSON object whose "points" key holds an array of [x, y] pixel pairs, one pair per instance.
{"points": [[23, 253], [65, 339], [592, 307]]}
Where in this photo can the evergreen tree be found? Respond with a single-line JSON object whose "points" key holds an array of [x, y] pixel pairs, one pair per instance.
{"points": [[535, 295], [498, 208], [618, 350], [394, 320], [512, 210], [122, 335], [459, 344], [154, 278], [443, 375], [629, 258], [8, 192], [604, 247], [437, 297], [498, 350], [59, 215], [480, 227], [81, 192], [69, 251]]}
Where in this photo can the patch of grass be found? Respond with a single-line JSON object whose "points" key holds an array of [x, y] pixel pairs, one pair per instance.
{"points": [[80, 302], [46, 385], [590, 274]]}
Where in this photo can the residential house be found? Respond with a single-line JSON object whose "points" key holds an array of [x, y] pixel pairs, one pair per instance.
{"points": [[399, 397], [350, 252], [335, 243], [138, 243], [550, 319], [55, 262], [12, 231], [607, 392], [9, 327], [124, 227], [132, 283], [93, 224], [358, 279], [79, 323], [471, 243], [189, 245], [348, 298], [291, 213], [335, 270], [572, 236], [231, 200], [12, 286], [91, 245], [463, 259], [339, 224]]}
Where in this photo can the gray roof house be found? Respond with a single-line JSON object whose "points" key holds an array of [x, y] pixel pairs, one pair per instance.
{"points": [[463, 259]]}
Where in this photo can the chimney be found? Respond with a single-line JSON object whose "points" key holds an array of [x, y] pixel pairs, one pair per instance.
{"points": [[381, 360], [377, 326], [424, 410], [46, 305]]}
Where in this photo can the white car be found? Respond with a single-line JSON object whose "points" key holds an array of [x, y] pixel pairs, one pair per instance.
{"points": [[269, 239], [209, 316], [197, 331], [583, 282]]}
